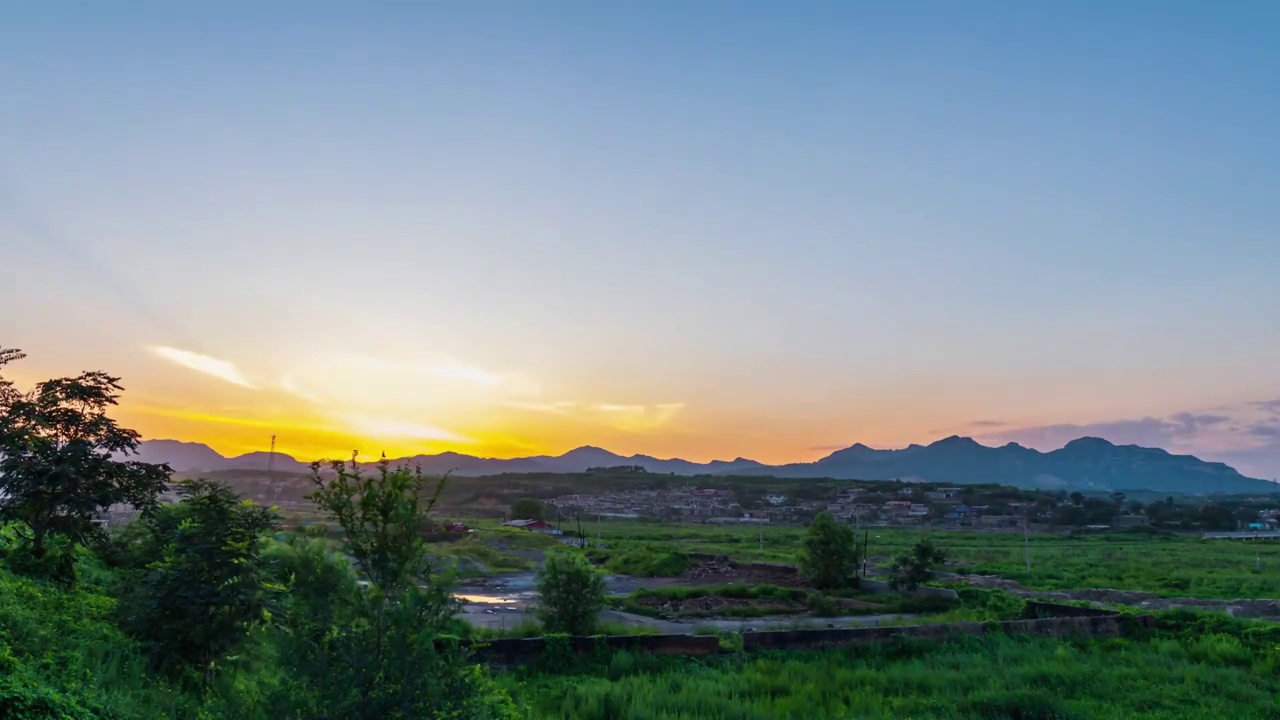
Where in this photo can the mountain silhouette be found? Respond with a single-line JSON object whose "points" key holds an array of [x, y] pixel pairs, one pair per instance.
{"points": [[1084, 464]]}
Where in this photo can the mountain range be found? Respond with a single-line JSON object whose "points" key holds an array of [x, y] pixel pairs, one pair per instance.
{"points": [[1084, 464]]}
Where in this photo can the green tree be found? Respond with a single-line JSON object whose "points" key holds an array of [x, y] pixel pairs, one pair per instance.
{"points": [[527, 509], [570, 593], [387, 655], [59, 463], [829, 558], [916, 567], [1077, 498], [204, 586]]}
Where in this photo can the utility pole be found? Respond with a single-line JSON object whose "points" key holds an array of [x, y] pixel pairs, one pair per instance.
{"points": [[271, 456], [762, 541]]}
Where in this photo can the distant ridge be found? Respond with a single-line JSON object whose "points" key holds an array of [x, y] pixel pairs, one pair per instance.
{"points": [[1084, 464]]}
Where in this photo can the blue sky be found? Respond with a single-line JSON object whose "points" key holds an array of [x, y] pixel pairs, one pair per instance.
{"points": [[760, 227]]}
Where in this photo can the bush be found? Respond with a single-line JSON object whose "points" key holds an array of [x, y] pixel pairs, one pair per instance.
{"points": [[822, 605], [570, 593], [197, 603], [829, 558], [915, 568], [647, 561]]}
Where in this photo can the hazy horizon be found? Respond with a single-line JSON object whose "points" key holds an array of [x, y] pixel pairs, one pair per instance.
{"points": [[699, 231]]}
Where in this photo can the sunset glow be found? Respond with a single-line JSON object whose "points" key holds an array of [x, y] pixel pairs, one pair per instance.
{"points": [[654, 229]]}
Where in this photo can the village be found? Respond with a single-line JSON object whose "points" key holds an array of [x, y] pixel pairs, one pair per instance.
{"points": [[907, 506], [942, 507]]}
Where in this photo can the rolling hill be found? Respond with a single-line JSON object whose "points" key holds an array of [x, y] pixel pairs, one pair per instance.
{"points": [[1083, 464]]}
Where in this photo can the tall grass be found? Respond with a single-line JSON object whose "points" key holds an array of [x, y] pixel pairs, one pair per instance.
{"points": [[994, 677]]}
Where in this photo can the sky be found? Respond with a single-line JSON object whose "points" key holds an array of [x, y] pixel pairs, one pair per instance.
{"points": [[703, 230]]}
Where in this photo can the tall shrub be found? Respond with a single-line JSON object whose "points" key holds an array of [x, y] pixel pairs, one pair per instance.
{"points": [[570, 593], [829, 558]]}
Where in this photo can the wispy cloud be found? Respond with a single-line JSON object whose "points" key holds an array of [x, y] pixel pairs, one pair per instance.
{"points": [[551, 408], [612, 408], [1246, 435], [289, 385], [637, 418], [221, 369], [988, 424], [1268, 431], [449, 371], [383, 428]]}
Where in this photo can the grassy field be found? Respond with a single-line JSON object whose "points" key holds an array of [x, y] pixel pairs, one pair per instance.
{"points": [[1170, 565], [1211, 676]]}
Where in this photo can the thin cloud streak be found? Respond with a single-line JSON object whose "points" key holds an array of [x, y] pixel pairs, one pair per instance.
{"points": [[380, 428], [289, 385], [221, 369]]}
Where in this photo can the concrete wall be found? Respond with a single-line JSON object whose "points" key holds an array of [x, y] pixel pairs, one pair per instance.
{"points": [[1045, 620], [509, 652], [880, 586], [1037, 609], [1108, 626]]}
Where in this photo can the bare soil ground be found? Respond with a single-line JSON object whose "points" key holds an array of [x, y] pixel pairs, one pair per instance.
{"points": [[1244, 608]]}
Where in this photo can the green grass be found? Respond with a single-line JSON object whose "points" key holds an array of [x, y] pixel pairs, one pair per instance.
{"points": [[61, 656], [1218, 676], [493, 551], [1165, 564]]}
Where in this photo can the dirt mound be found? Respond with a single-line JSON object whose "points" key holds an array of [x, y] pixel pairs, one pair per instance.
{"points": [[711, 605], [718, 569]]}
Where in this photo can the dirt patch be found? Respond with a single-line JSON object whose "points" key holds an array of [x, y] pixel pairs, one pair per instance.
{"points": [[1243, 608], [711, 606], [719, 570]]}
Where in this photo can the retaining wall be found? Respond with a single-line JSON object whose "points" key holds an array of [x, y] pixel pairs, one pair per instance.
{"points": [[1039, 609], [880, 586], [1108, 626], [1066, 621], [509, 652]]}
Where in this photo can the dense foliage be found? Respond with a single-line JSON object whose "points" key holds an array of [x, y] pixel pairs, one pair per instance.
{"points": [[570, 593], [195, 610], [384, 655], [1190, 675], [829, 557], [527, 509], [915, 567], [60, 466], [201, 584]]}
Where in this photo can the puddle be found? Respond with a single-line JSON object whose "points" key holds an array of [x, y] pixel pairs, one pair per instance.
{"points": [[485, 599]]}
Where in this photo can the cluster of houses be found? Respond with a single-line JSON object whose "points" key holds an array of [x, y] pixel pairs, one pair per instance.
{"points": [[940, 506], [688, 503]]}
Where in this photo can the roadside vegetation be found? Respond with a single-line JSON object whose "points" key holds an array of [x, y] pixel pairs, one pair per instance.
{"points": [[1187, 674]]}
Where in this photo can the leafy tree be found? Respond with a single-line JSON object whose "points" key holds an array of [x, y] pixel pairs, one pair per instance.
{"points": [[204, 586], [58, 457], [829, 558], [916, 567], [1216, 517], [1161, 513], [1077, 498], [386, 656], [570, 593], [527, 509]]}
